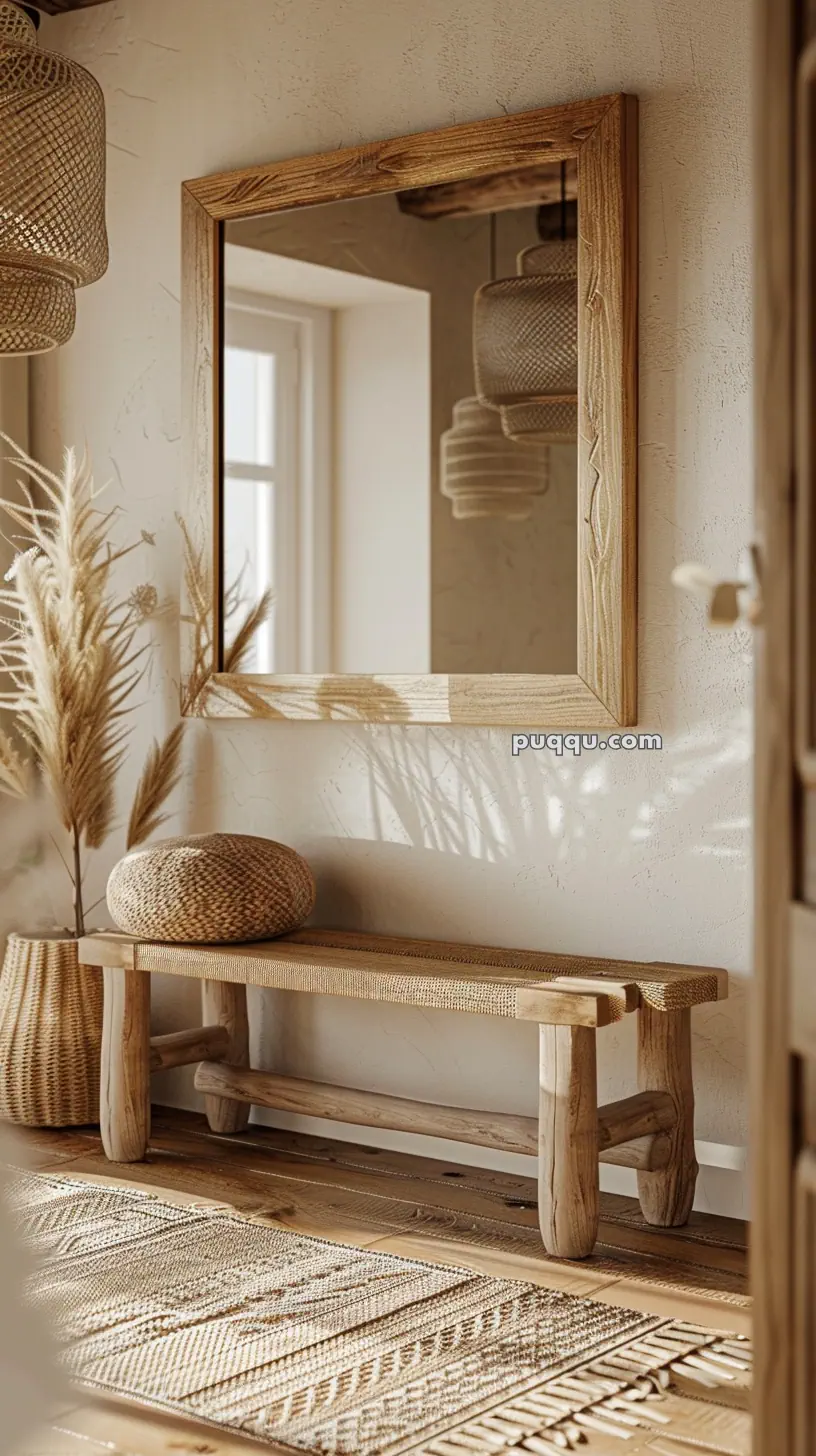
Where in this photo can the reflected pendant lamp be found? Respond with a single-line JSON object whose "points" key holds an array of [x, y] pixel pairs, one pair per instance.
{"points": [[484, 473], [53, 238], [525, 345]]}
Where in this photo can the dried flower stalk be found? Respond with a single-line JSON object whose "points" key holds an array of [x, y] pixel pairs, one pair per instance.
{"points": [[198, 619], [160, 775], [71, 656]]}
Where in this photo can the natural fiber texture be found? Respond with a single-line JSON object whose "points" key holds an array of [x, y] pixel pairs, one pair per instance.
{"points": [[557, 258], [664, 987], [554, 423], [39, 312], [50, 1035], [335, 1350], [525, 329], [389, 968], [16, 25], [526, 345], [52, 180], [211, 888]]}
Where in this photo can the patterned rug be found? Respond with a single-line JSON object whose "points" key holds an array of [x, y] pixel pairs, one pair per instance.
{"points": [[326, 1349]]}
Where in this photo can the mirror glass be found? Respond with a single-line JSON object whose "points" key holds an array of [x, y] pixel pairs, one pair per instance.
{"points": [[399, 483]]}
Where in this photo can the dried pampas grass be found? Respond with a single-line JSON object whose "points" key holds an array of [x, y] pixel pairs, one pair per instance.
{"points": [[160, 776], [198, 619], [15, 777], [72, 659], [237, 650]]}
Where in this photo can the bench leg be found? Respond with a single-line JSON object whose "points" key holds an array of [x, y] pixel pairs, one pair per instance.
{"points": [[225, 1004], [124, 1093], [568, 1141], [664, 1065]]}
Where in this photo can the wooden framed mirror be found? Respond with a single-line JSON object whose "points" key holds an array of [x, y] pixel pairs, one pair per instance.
{"points": [[409, 417]]}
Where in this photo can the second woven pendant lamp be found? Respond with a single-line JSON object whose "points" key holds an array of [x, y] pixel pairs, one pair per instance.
{"points": [[484, 473], [525, 345], [53, 238]]}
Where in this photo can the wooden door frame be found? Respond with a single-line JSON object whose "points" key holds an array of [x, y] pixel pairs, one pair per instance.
{"points": [[772, 1092]]}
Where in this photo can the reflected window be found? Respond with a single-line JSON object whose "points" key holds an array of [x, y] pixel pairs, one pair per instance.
{"points": [[273, 411], [249, 379]]}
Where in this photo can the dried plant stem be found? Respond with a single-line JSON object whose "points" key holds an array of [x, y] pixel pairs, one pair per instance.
{"points": [[197, 617], [235, 652], [71, 658], [79, 914], [160, 775]]}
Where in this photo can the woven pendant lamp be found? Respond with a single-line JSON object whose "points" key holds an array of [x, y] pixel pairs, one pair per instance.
{"points": [[52, 187], [525, 345], [484, 473]]}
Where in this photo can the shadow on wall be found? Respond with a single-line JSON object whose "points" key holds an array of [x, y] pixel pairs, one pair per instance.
{"points": [[344, 698], [630, 828], [469, 795]]}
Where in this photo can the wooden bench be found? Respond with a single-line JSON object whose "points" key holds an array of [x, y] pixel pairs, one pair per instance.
{"points": [[569, 996]]}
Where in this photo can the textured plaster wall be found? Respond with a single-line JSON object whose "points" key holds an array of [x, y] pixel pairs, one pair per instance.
{"points": [[440, 831]]}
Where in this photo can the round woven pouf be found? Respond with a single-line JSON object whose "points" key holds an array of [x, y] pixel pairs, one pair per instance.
{"points": [[211, 888]]}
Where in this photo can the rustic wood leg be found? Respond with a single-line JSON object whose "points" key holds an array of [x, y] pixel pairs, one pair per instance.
{"points": [[225, 1004], [664, 1065], [124, 1110], [568, 1141]]}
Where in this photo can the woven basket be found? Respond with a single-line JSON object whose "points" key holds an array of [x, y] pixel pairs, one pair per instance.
{"points": [[211, 888], [50, 1034]]}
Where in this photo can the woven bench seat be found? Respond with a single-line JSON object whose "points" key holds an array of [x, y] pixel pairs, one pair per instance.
{"points": [[570, 997], [431, 973]]}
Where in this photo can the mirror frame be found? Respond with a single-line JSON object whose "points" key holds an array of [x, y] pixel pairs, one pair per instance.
{"points": [[601, 134]]}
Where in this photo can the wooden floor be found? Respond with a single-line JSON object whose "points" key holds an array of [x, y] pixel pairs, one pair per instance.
{"points": [[424, 1208]]}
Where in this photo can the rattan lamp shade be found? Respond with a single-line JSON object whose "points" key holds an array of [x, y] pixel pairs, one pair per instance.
{"points": [[485, 474], [525, 345], [52, 188]]}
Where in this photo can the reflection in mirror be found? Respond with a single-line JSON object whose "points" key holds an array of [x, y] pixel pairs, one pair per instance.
{"points": [[398, 522]]}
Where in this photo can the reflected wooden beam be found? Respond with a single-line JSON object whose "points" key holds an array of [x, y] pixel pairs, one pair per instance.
{"points": [[59, 7], [531, 187]]}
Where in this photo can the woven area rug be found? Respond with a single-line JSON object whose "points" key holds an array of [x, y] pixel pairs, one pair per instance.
{"points": [[196, 1310]]}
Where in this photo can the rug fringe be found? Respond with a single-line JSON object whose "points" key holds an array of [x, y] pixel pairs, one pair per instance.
{"points": [[613, 1396]]}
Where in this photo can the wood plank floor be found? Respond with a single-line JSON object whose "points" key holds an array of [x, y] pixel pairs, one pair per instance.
{"points": [[421, 1207]]}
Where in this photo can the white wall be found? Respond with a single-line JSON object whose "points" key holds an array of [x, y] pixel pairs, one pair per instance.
{"points": [[381, 496], [440, 831]]}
